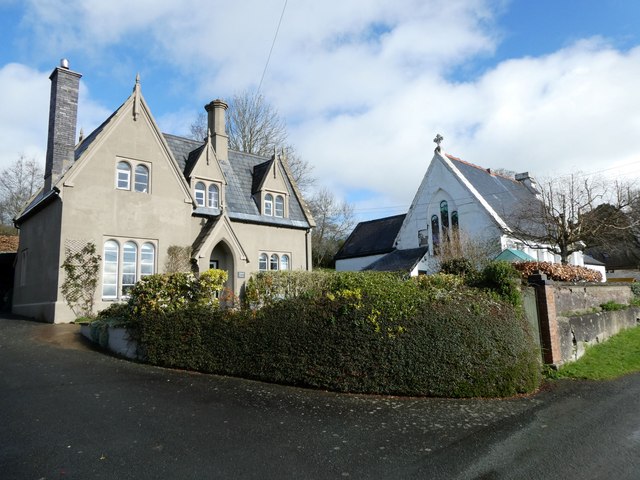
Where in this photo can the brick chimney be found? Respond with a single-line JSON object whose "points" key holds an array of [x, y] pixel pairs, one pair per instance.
{"points": [[63, 114], [216, 125]]}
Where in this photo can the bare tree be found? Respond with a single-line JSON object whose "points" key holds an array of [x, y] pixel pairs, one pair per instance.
{"points": [[334, 222], [18, 183], [574, 211], [254, 126]]}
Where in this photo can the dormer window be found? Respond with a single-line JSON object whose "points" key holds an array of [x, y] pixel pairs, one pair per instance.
{"points": [[279, 206], [200, 191], [268, 204], [214, 196]]}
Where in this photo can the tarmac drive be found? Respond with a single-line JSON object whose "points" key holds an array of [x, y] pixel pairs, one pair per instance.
{"points": [[69, 411]]}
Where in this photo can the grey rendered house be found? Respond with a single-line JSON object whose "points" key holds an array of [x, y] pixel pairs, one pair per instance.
{"points": [[134, 192]]}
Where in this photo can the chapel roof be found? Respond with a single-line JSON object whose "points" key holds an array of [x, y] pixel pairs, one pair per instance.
{"points": [[373, 237]]}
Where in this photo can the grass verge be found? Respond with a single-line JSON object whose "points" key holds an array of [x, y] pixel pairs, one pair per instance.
{"points": [[618, 356]]}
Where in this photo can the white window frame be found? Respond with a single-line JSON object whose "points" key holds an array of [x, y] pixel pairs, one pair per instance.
{"points": [[126, 179], [145, 264], [215, 190], [200, 193], [268, 205], [279, 201], [285, 262], [147, 259], [138, 185], [263, 262], [115, 274], [274, 261]]}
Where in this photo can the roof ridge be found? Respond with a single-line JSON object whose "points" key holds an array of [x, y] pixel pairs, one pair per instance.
{"points": [[485, 170], [384, 218]]}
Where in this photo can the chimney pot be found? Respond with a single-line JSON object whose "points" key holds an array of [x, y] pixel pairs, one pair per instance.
{"points": [[216, 123], [64, 63]]}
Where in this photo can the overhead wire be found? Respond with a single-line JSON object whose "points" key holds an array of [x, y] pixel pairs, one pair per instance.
{"points": [[275, 36]]}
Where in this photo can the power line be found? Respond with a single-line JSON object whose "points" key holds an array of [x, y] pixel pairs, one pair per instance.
{"points": [[284, 7]]}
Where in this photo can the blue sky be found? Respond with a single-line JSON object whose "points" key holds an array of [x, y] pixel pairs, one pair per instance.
{"points": [[542, 86]]}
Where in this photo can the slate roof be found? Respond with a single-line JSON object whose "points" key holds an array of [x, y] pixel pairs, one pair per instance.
{"points": [[399, 260], [373, 237], [506, 196], [239, 172]]}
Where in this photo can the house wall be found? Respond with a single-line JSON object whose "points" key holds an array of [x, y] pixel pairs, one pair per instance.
{"points": [[35, 292], [356, 264]]}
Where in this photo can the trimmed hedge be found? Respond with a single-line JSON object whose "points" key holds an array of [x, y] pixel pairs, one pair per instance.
{"points": [[362, 332]]}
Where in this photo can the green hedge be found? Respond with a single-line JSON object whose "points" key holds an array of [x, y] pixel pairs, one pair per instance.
{"points": [[362, 332]]}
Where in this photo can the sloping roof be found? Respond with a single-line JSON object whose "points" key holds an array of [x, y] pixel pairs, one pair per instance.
{"points": [[505, 195], [239, 172], [399, 260], [589, 260], [513, 255], [260, 171], [373, 237]]}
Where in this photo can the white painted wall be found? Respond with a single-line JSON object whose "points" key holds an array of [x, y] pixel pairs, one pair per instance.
{"points": [[356, 264]]}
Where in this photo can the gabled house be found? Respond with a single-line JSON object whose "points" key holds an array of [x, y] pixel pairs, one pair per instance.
{"points": [[134, 192], [456, 202]]}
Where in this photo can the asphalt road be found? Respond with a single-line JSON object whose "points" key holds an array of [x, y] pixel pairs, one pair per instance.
{"points": [[70, 411]]}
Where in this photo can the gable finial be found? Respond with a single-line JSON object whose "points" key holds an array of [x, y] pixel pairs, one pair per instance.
{"points": [[81, 137], [136, 97], [438, 140]]}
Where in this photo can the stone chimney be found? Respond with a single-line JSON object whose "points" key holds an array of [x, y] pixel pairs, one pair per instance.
{"points": [[529, 182], [217, 128], [63, 115]]}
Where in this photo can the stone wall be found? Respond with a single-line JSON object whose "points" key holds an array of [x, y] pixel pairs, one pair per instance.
{"points": [[570, 317]]}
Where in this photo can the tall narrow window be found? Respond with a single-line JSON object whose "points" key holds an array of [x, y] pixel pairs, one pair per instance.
{"points": [[200, 192], [123, 178], [268, 204], [274, 264], [141, 183], [284, 262], [279, 206], [263, 261], [129, 263], [214, 196], [147, 259], [435, 233], [454, 220], [444, 218], [110, 270]]}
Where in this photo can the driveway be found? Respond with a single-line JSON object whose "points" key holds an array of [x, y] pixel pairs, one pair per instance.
{"points": [[70, 411]]}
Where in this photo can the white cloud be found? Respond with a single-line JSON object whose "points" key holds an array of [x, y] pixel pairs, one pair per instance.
{"points": [[364, 84]]}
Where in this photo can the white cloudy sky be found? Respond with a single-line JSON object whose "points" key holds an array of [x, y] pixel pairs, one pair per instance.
{"points": [[547, 87]]}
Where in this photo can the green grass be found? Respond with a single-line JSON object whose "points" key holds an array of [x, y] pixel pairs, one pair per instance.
{"points": [[618, 356]]}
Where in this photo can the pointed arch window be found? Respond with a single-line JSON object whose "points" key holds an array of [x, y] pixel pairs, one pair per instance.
{"points": [[123, 176], [435, 233], [141, 181], [213, 196], [200, 190], [444, 218]]}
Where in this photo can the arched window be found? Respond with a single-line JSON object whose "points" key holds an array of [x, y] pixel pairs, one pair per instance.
{"points": [[110, 269], [454, 220], [123, 178], [284, 262], [274, 263], [268, 204], [263, 261], [129, 263], [444, 218], [200, 192], [141, 183], [435, 233], [147, 259], [279, 206], [214, 196]]}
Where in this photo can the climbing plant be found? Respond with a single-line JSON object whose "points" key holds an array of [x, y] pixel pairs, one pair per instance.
{"points": [[81, 268]]}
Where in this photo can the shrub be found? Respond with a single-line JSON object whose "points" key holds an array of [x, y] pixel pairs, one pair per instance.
{"points": [[360, 332], [635, 289], [501, 277], [458, 266], [612, 306]]}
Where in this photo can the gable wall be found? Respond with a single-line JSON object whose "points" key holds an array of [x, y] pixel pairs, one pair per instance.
{"points": [[440, 183]]}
